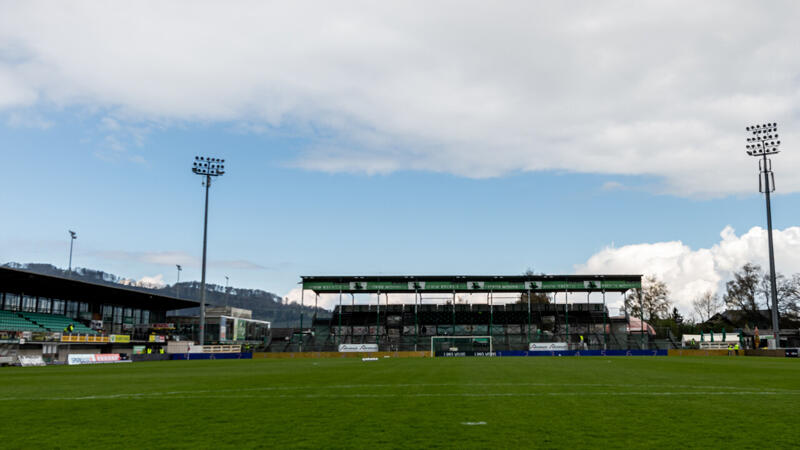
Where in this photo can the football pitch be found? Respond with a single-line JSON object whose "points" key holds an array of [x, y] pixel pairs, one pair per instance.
{"points": [[665, 402]]}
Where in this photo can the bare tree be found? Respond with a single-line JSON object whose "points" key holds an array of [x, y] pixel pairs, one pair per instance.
{"points": [[743, 291], [654, 300], [706, 305], [788, 293]]}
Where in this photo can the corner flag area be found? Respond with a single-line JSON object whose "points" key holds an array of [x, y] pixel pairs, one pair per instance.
{"points": [[410, 402]]}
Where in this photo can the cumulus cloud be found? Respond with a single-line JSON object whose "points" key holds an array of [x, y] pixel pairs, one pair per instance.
{"points": [[689, 272], [154, 282], [474, 89]]}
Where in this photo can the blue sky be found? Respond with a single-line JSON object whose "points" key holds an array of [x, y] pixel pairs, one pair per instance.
{"points": [[380, 143], [271, 222]]}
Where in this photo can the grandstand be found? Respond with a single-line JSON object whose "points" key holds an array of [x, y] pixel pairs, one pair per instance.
{"points": [[12, 321], [36, 310], [56, 322], [29, 321], [512, 325]]}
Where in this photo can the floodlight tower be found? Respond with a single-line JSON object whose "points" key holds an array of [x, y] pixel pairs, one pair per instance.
{"points": [[177, 287], [226, 289], [763, 142], [72, 237], [206, 167]]}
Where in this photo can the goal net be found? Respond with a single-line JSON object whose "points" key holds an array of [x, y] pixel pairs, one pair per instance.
{"points": [[461, 346]]}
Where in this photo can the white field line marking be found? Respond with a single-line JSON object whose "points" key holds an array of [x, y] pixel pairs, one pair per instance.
{"points": [[473, 423], [461, 394], [399, 385], [366, 386]]}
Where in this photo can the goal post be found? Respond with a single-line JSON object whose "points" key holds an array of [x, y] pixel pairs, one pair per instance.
{"points": [[461, 345]]}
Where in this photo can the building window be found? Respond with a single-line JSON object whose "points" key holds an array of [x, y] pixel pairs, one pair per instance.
{"points": [[145, 316], [72, 309], [84, 313], [58, 306], [137, 316], [107, 313], [117, 314], [44, 305], [28, 303], [12, 302]]}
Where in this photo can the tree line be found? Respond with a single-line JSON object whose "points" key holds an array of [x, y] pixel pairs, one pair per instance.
{"points": [[747, 295]]}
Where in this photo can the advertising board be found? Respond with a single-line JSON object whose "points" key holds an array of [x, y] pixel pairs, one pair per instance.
{"points": [[344, 348], [83, 338], [93, 358], [30, 361], [547, 346], [457, 354], [241, 329]]}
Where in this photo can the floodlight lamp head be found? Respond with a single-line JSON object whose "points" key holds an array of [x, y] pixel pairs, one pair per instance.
{"points": [[73, 234], [764, 139], [204, 165]]}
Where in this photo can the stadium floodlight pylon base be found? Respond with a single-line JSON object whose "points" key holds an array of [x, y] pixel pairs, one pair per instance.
{"points": [[471, 340]]}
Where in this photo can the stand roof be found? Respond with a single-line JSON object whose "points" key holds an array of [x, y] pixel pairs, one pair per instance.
{"points": [[410, 284], [35, 284]]}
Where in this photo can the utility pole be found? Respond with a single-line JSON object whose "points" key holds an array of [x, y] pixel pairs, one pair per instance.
{"points": [[764, 142], [206, 167]]}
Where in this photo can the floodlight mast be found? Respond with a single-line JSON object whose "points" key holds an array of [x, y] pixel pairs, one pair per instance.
{"points": [[72, 237], [206, 167], [764, 141], [177, 283]]}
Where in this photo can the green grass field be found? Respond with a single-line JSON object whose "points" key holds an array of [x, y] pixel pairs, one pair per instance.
{"points": [[662, 402]]}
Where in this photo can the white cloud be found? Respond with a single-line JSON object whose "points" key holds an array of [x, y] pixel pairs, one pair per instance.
{"points": [[20, 119], [157, 281], [480, 90], [612, 186], [154, 282], [689, 272]]}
